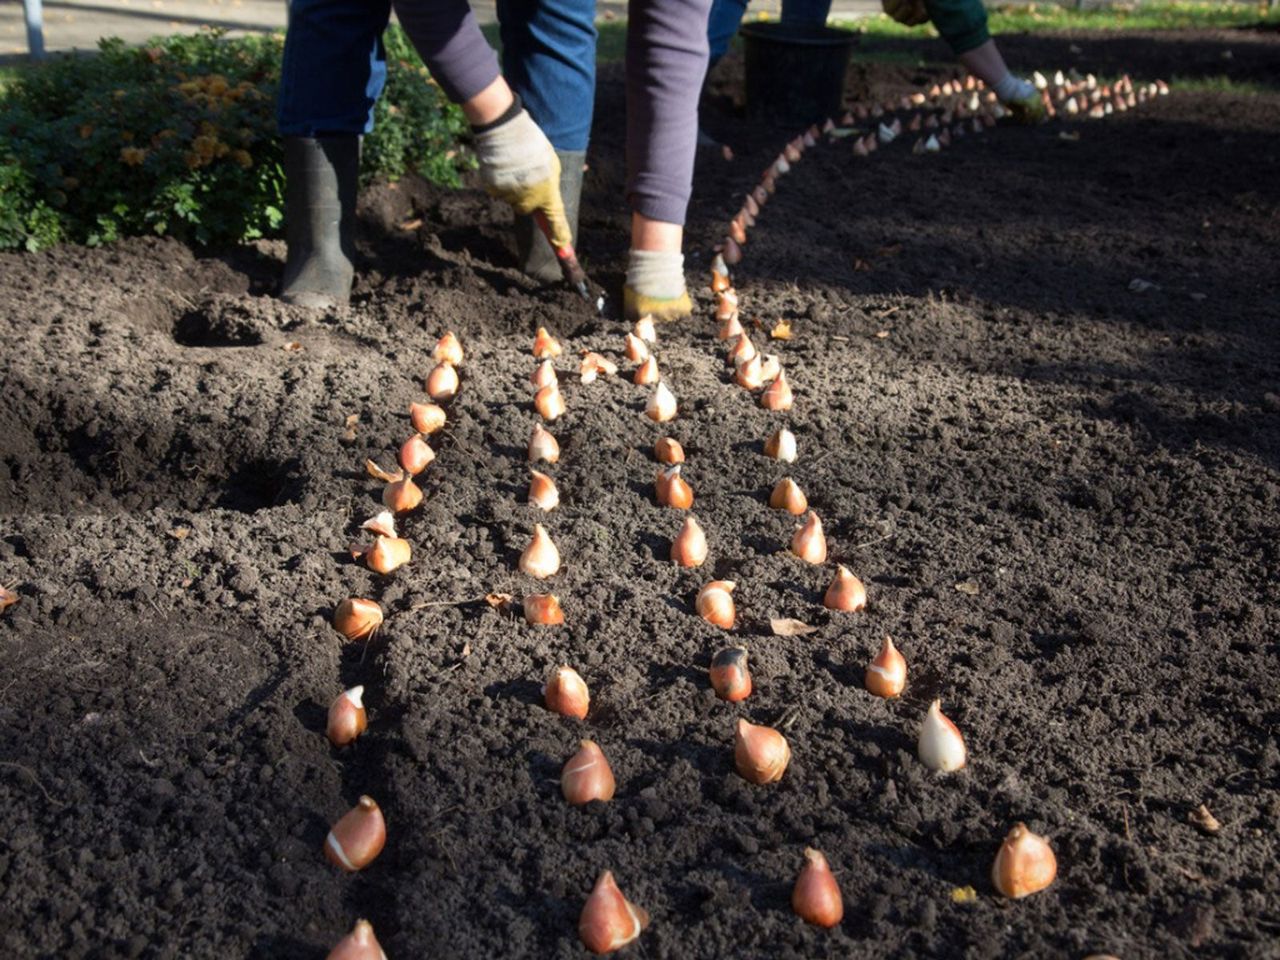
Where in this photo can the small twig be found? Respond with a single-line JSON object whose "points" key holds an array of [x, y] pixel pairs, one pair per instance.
{"points": [[34, 779], [871, 543], [447, 603]]}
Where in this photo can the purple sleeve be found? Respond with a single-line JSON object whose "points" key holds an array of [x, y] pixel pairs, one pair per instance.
{"points": [[447, 37], [666, 64]]}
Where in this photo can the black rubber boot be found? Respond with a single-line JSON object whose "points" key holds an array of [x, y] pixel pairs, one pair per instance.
{"points": [[533, 252], [321, 178]]}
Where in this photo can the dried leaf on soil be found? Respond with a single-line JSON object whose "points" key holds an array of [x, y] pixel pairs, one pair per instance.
{"points": [[786, 627]]}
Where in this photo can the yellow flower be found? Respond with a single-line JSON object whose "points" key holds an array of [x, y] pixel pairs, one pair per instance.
{"points": [[216, 85], [193, 161], [243, 158], [205, 147], [132, 156], [127, 136]]}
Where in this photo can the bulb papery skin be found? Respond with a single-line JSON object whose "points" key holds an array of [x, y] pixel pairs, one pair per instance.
{"points": [[540, 559], [816, 897], [542, 491], [730, 328], [544, 375], [357, 619], [647, 373], [749, 374], [671, 489], [715, 603], [401, 496], [416, 455], [637, 351], [543, 610], [347, 717], [846, 592], [777, 396], [542, 445], [788, 496], [727, 307], [887, 673], [781, 445], [566, 693], [1024, 865], [609, 921], [384, 524], [662, 405], [742, 350], [448, 349], [809, 542], [442, 382], [760, 754], [730, 677], [357, 838], [689, 549], [427, 418], [668, 451], [593, 364], [941, 747], [549, 402], [770, 367], [545, 345], [359, 944], [388, 554], [587, 776], [645, 330], [720, 282]]}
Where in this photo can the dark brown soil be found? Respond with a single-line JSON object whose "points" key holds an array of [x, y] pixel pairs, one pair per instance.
{"points": [[1064, 497]]}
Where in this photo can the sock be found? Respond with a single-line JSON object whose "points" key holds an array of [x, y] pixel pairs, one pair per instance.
{"points": [[656, 273], [1013, 88]]}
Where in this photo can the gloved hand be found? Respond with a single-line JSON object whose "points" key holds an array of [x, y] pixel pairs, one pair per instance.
{"points": [[911, 13], [519, 165], [655, 286], [1030, 109]]}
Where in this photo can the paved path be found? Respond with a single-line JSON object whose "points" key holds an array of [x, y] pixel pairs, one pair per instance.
{"points": [[78, 24]]}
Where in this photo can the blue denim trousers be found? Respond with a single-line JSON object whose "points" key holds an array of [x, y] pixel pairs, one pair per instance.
{"points": [[335, 65], [726, 15]]}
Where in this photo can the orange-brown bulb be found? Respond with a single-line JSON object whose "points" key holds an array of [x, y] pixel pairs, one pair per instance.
{"points": [[647, 373], [542, 445], [887, 672], [387, 554], [730, 677], [543, 609], [689, 549], [427, 418], [549, 402], [761, 754], [449, 349], [1024, 865], [357, 838], [542, 491], [846, 592], [442, 382], [668, 451], [347, 717], [587, 776], [672, 490], [777, 396], [402, 495], [415, 455], [359, 944], [788, 496], [609, 920], [545, 345], [816, 897], [357, 619], [715, 603], [809, 542], [566, 693]]}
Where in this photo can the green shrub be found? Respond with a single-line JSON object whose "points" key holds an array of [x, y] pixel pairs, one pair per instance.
{"points": [[179, 137]]}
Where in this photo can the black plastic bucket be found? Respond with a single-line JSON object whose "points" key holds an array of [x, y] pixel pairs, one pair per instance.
{"points": [[795, 72]]}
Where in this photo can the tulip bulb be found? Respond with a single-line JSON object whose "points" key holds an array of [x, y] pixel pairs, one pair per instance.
{"points": [[566, 693], [788, 496], [730, 328], [402, 495], [689, 549], [715, 603], [540, 559], [386, 476], [545, 345], [749, 374], [671, 489], [738, 230], [359, 944], [778, 394], [887, 673], [1024, 865], [549, 402], [543, 610], [647, 373], [770, 368], [442, 382], [357, 838], [662, 405], [357, 619], [742, 350], [730, 678], [726, 305], [846, 592], [427, 418], [941, 746], [586, 776], [637, 351], [542, 491], [544, 375], [720, 282], [384, 524], [449, 349], [387, 554], [347, 717], [816, 897], [644, 329], [593, 364], [809, 543], [761, 754], [667, 450], [781, 445], [609, 920], [542, 445], [415, 455], [752, 207], [732, 253]]}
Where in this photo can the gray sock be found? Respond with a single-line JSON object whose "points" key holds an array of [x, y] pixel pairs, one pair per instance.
{"points": [[656, 273], [1013, 88]]}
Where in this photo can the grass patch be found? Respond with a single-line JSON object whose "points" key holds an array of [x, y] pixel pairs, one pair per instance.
{"points": [[1220, 84]]}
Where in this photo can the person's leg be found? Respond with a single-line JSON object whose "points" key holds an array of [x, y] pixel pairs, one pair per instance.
{"points": [[722, 26], [333, 71], [805, 12], [549, 58], [666, 64]]}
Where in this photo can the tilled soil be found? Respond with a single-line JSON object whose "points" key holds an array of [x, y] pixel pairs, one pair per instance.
{"points": [[1063, 494]]}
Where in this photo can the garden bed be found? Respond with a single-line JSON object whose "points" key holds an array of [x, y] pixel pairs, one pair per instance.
{"points": [[1063, 495]]}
